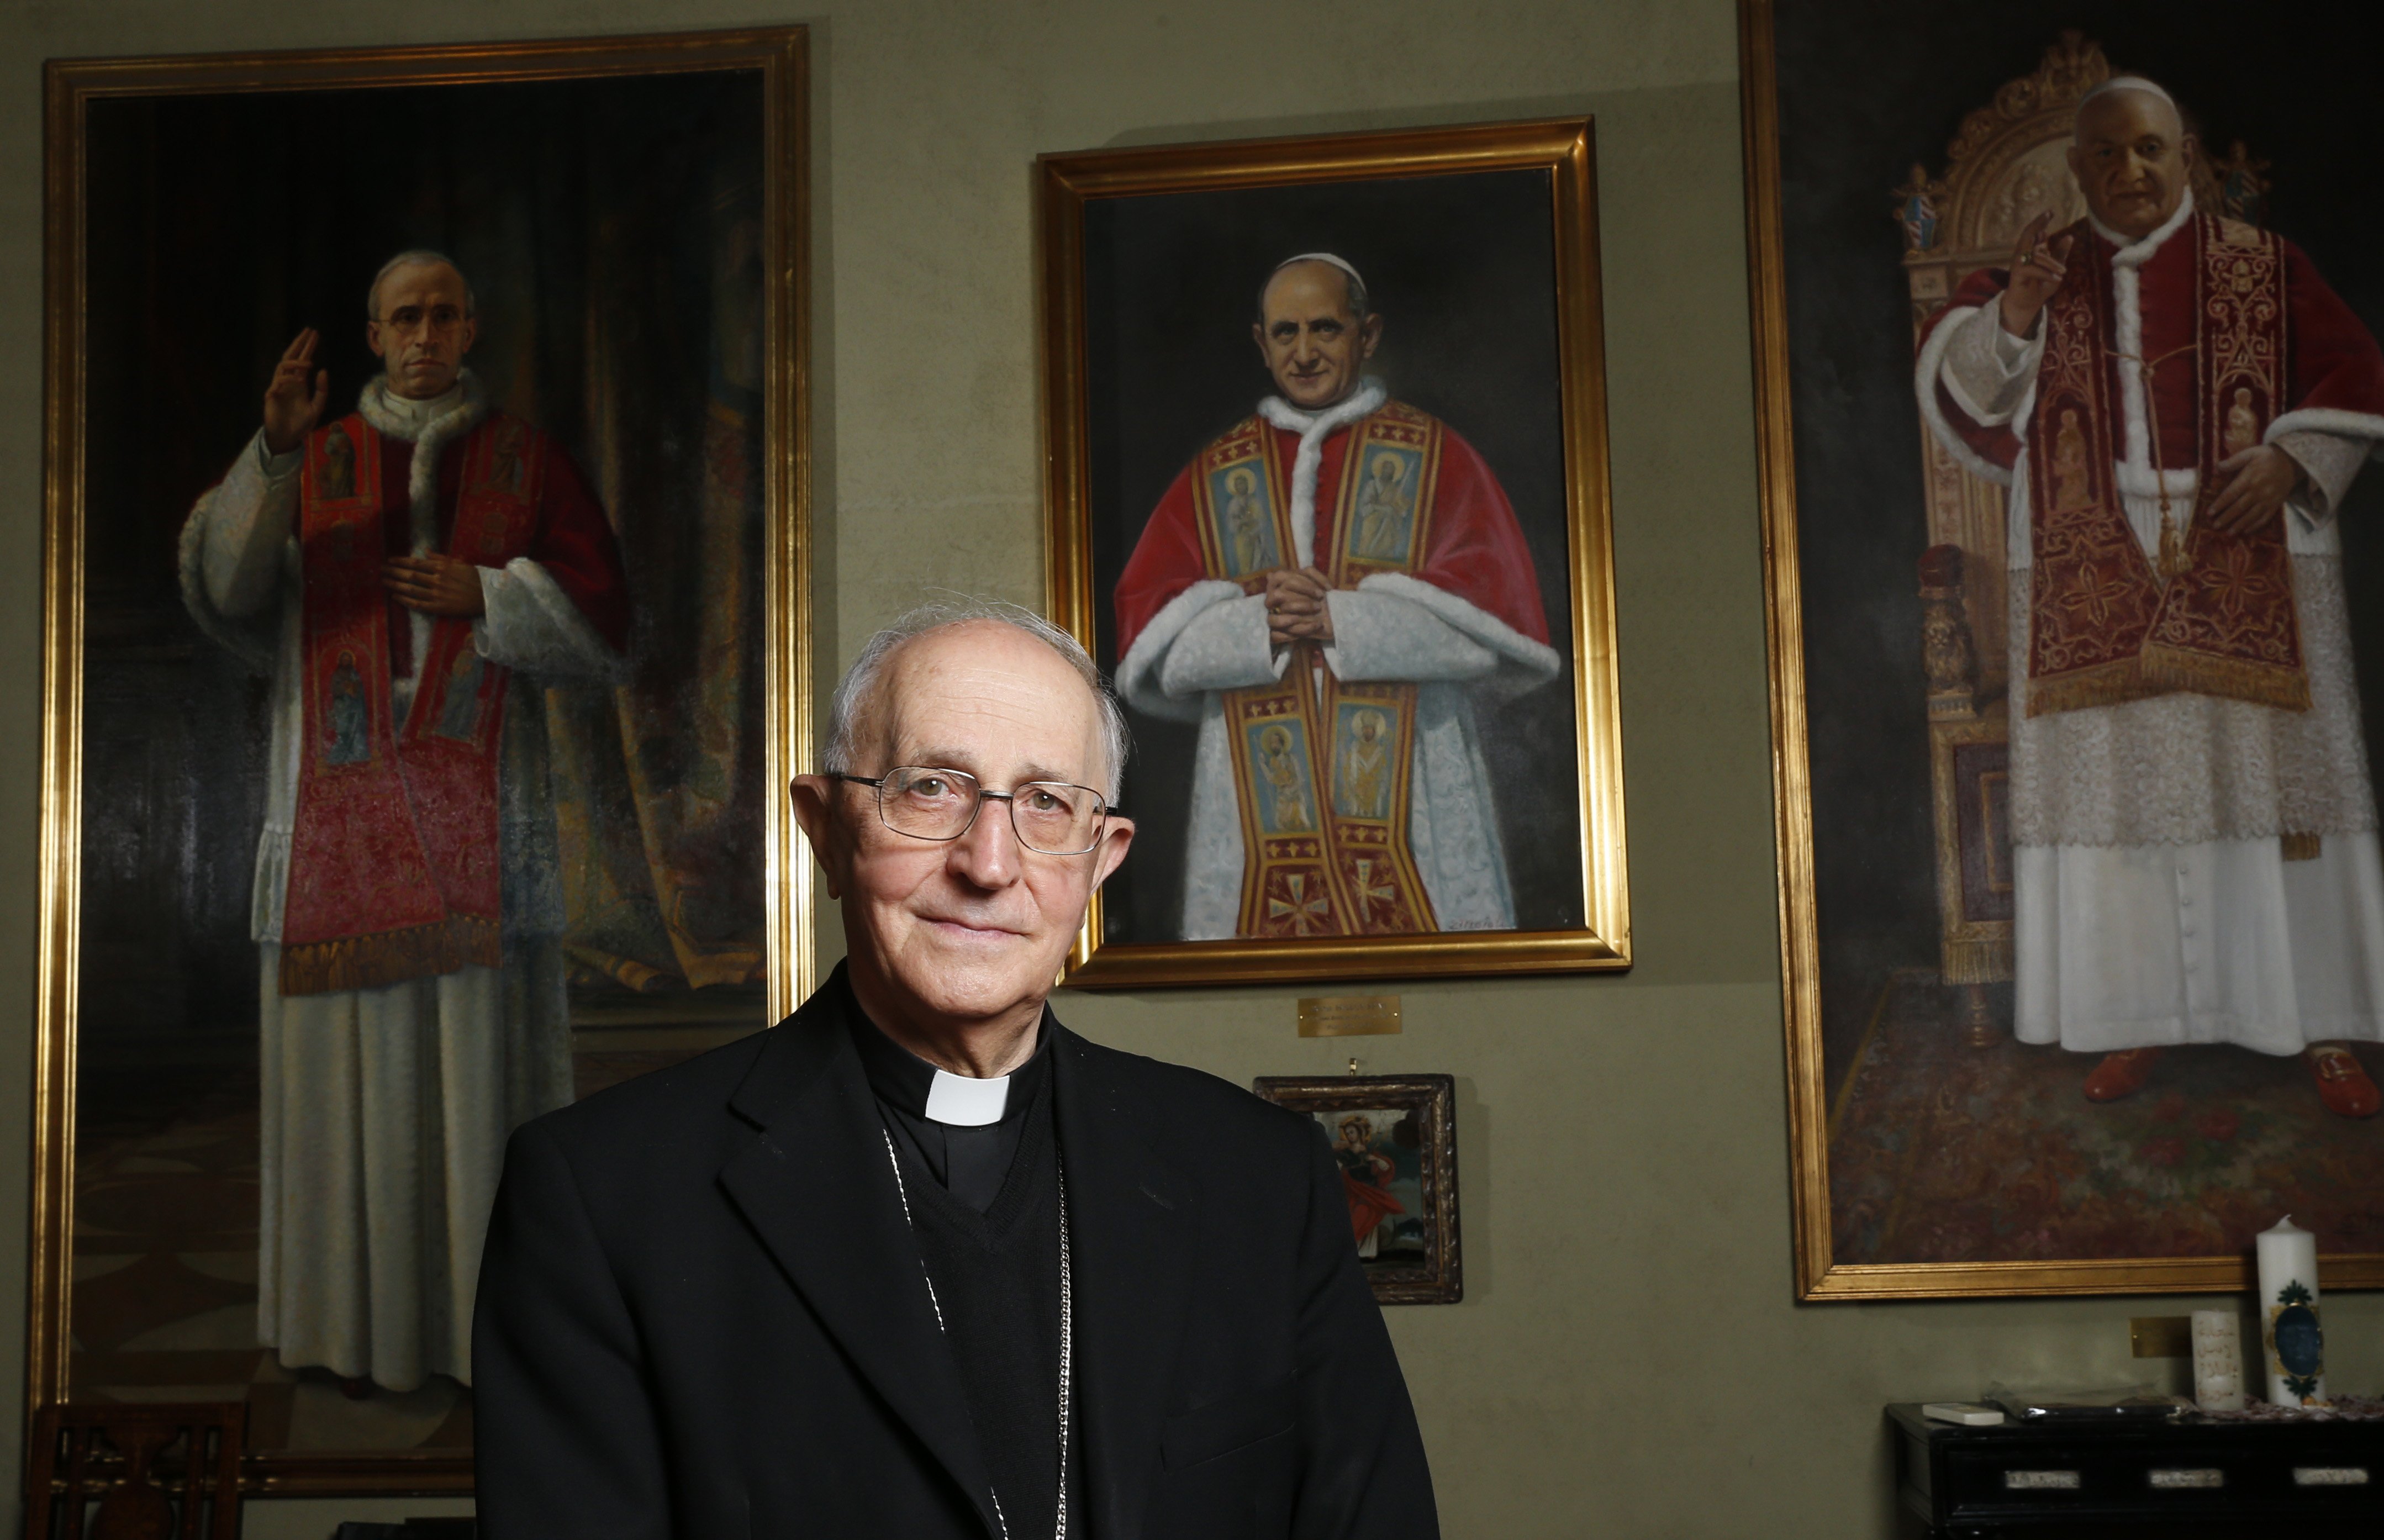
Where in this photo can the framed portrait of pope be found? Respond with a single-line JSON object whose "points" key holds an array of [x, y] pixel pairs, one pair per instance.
{"points": [[2069, 380], [1327, 498], [425, 596]]}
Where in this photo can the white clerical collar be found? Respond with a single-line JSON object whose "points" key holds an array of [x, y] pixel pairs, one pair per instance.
{"points": [[402, 418], [957, 1099], [2141, 251], [413, 413]]}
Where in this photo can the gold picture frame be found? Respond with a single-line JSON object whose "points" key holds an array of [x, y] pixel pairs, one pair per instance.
{"points": [[768, 68], [1996, 141], [1557, 153]]}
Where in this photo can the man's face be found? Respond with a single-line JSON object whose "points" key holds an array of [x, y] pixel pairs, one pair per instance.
{"points": [[971, 930], [1312, 343], [2131, 157], [420, 331]]}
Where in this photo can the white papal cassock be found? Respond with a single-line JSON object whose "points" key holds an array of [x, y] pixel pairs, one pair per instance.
{"points": [[2154, 902]]}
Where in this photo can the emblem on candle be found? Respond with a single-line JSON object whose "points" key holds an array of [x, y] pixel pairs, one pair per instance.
{"points": [[2289, 1315]]}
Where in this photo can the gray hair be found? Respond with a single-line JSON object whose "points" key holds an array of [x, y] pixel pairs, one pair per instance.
{"points": [[420, 257], [1357, 286], [857, 692]]}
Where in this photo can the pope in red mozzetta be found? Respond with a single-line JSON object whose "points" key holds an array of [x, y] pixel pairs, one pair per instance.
{"points": [[1329, 589], [2178, 403], [410, 575]]}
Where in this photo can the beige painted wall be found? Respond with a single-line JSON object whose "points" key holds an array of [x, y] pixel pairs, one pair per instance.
{"points": [[1628, 1360]]}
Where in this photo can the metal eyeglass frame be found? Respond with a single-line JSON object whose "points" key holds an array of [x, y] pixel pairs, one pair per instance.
{"points": [[876, 784]]}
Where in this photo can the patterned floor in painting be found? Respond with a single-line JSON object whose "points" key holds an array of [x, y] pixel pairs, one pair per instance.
{"points": [[1940, 1152], [165, 1268]]}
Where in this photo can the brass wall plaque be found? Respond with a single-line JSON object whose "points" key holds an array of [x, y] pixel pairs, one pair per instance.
{"points": [[1348, 1015], [2161, 1336]]}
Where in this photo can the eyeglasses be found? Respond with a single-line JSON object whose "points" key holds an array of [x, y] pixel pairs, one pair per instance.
{"points": [[1050, 817], [407, 319]]}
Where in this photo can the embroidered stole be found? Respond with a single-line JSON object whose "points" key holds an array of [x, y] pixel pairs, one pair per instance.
{"points": [[393, 859], [2107, 624], [1321, 764]]}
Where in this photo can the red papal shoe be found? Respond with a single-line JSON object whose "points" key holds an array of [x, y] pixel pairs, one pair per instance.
{"points": [[2342, 1081], [2121, 1073]]}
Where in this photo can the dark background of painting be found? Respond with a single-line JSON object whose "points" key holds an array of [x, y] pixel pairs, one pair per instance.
{"points": [[1462, 268], [1868, 88], [610, 230]]}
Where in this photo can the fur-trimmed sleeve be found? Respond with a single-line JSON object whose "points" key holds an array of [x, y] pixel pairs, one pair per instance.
{"points": [[1986, 448], [562, 610]]}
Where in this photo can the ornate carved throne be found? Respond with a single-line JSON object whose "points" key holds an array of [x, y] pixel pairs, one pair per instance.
{"points": [[2007, 164]]}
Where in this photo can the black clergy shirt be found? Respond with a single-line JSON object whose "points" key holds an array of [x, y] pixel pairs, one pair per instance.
{"points": [[984, 1207], [969, 1163]]}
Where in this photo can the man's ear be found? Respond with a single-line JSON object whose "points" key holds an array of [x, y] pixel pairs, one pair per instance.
{"points": [[372, 339], [1372, 335], [2188, 149], [815, 814], [471, 335], [1258, 335], [1111, 853]]}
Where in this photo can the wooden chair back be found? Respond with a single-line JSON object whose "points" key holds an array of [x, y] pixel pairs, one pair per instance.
{"points": [[156, 1473]]}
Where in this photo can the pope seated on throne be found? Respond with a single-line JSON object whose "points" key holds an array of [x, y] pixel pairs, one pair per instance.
{"points": [[2177, 402]]}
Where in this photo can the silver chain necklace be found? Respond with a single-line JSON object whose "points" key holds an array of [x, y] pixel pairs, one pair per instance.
{"points": [[1067, 1323]]}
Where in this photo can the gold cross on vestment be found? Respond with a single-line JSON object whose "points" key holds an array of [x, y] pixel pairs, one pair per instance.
{"points": [[1301, 907]]}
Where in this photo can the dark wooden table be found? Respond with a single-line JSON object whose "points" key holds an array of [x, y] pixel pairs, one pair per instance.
{"points": [[2195, 1477]]}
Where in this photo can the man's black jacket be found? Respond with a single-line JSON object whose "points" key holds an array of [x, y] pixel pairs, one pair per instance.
{"points": [[701, 1316]]}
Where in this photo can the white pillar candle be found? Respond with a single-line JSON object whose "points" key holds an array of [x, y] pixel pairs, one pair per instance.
{"points": [[2289, 1315], [2217, 1360]]}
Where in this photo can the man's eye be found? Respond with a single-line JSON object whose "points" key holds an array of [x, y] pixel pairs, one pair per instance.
{"points": [[928, 786]]}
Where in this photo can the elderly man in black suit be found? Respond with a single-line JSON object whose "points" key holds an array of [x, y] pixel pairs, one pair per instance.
{"points": [[920, 1263]]}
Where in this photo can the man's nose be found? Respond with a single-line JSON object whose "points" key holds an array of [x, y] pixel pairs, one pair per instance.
{"points": [[987, 855]]}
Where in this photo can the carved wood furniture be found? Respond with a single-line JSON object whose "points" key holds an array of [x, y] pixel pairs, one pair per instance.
{"points": [[154, 1473]]}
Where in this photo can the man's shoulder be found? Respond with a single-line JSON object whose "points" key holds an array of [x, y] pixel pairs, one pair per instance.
{"points": [[1239, 443], [1415, 425], [1406, 413], [659, 1110], [1190, 1100], [2225, 230], [512, 427], [352, 427]]}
